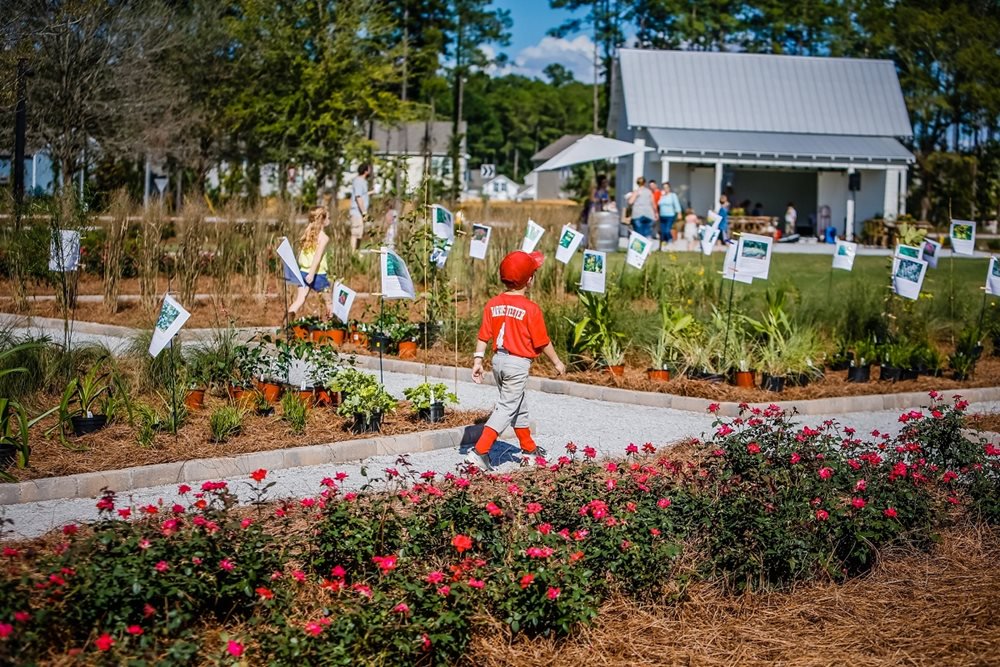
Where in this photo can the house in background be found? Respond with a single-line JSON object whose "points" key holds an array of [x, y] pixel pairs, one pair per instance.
{"points": [[410, 148], [498, 188], [551, 184], [39, 173], [766, 128]]}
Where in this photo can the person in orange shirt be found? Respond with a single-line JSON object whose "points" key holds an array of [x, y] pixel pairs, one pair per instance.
{"points": [[517, 328]]}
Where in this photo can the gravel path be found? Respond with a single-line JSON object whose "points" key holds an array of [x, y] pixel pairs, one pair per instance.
{"points": [[609, 427]]}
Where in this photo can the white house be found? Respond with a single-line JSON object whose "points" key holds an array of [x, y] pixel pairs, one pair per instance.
{"points": [[411, 148], [498, 188], [766, 128]]}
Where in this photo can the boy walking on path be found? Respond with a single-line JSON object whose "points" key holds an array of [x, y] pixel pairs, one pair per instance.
{"points": [[515, 325]]}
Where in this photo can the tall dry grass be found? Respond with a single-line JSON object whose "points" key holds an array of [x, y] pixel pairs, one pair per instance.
{"points": [[116, 233]]}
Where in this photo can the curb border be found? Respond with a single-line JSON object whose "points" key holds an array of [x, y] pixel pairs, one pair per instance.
{"points": [[89, 485]]}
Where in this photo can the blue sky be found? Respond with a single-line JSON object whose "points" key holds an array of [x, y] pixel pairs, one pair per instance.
{"points": [[531, 49]]}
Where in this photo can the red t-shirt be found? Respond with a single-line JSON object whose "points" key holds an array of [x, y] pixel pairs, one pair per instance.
{"points": [[514, 323]]}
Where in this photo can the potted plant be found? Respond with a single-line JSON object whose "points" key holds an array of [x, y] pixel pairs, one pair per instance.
{"points": [[262, 406], [613, 356], [329, 332], [247, 370], [891, 358], [659, 356], [80, 400], [365, 406], [963, 365], [861, 361], [196, 384], [325, 365], [405, 336], [428, 400], [359, 333], [743, 373], [303, 327], [773, 368]]}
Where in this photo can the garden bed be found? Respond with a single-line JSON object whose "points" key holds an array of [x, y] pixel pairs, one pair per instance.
{"points": [[115, 447]]}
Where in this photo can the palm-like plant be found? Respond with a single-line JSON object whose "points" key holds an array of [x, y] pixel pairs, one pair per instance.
{"points": [[14, 420]]}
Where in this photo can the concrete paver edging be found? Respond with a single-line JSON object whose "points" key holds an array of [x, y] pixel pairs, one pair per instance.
{"points": [[89, 485], [833, 405]]}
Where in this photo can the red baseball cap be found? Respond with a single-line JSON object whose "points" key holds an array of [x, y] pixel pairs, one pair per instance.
{"points": [[518, 267]]}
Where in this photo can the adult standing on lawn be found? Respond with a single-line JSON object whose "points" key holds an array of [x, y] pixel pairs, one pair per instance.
{"points": [[517, 328], [643, 209], [359, 204], [670, 208]]}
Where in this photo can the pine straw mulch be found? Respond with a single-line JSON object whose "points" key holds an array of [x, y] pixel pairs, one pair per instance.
{"points": [[938, 608], [115, 447], [984, 421], [832, 385]]}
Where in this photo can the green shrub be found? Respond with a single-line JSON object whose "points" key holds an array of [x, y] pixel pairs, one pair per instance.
{"points": [[294, 411], [225, 422]]}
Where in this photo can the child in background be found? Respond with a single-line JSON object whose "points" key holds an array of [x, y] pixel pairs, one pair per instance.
{"points": [[515, 325], [312, 257], [690, 228]]}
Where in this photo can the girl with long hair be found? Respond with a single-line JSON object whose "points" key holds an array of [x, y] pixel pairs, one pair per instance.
{"points": [[312, 257]]}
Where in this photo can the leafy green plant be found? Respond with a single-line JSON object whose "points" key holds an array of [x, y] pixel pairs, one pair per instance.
{"points": [[294, 411], [82, 394], [590, 333], [225, 422], [211, 365], [365, 401], [612, 353], [661, 353], [423, 395]]}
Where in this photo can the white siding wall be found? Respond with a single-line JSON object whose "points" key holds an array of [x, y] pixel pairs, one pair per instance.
{"points": [[831, 190]]}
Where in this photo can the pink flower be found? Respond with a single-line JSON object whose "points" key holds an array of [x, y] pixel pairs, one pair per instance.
{"points": [[134, 630], [610, 484], [857, 503], [314, 629], [162, 566], [552, 593], [532, 508], [434, 577], [5, 630], [462, 543], [589, 452], [826, 473], [338, 572], [104, 642], [444, 591], [401, 608], [718, 453], [476, 583], [385, 563], [545, 528], [526, 580], [753, 448], [631, 449], [822, 515], [493, 509], [125, 512], [723, 430], [663, 503], [713, 408], [258, 475], [183, 489], [795, 458], [890, 512], [226, 564], [22, 616], [246, 523], [264, 593], [861, 485], [234, 649]]}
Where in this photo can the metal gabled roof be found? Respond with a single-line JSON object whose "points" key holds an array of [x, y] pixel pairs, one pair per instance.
{"points": [[698, 90]]}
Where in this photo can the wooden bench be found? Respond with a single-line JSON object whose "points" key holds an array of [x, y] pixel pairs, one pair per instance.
{"points": [[752, 224]]}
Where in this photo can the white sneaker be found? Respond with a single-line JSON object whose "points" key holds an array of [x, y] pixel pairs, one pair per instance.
{"points": [[481, 461]]}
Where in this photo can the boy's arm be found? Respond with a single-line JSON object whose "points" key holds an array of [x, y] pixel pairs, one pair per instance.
{"points": [[477, 361], [553, 356]]}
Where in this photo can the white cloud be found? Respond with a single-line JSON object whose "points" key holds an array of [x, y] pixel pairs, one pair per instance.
{"points": [[576, 55]]}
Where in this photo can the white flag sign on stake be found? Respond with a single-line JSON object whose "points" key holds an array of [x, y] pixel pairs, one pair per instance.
{"points": [[930, 253], [730, 271], [442, 222], [753, 255], [595, 267], [638, 250], [963, 236], [531, 236], [843, 255], [911, 251], [993, 277], [480, 241], [64, 251], [291, 265], [908, 276], [396, 281], [569, 241], [343, 298], [709, 235], [172, 318]]}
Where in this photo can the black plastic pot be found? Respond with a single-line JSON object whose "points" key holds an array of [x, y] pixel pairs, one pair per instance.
{"points": [[960, 377], [715, 378], [8, 454], [977, 352], [265, 412], [842, 365], [889, 373], [996, 346], [772, 382], [85, 425], [372, 424], [859, 374], [909, 374], [433, 414], [379, 343], [799, 379]]}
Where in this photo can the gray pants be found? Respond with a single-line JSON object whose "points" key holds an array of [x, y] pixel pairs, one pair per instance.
{"points": [[511, 375]]}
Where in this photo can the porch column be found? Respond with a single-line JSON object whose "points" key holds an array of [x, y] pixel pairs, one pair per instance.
{"points": [[718, 186], [902, 191], [664, 170], [890, 195], [849, 225], [638, 161]]}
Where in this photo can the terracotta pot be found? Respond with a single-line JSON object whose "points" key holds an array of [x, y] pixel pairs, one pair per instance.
{"points": [[359, 339], [195, 399], [407, 349], [617, 371], [659, 375], [270, 391], [744, 379], [235, 393], [337, 336], [327, 397], [307, 396], [300, 332]]}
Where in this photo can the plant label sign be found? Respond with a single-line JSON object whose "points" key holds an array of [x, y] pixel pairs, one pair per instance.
{"points": [[64, 251], [908, 276], [753, 255], [730, 270], [293, 273], [569, 241], [638, 250], [343, 298], [930, 253], [993, 277], [442, 222], [709, 235], [911, 251], [595, 267], [396, 281], [843, 255], [480, 241], [963, 236], [172, 318], [713, 219], [531, 236]]}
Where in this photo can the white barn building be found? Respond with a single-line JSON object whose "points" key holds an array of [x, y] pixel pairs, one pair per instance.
{"points": [[765, 128]]}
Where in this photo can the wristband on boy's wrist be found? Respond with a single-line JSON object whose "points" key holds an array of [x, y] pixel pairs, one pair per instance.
{"points": [[478, 356]]}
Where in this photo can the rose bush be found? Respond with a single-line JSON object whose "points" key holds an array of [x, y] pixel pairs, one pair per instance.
{"points": [[404, 570]]}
